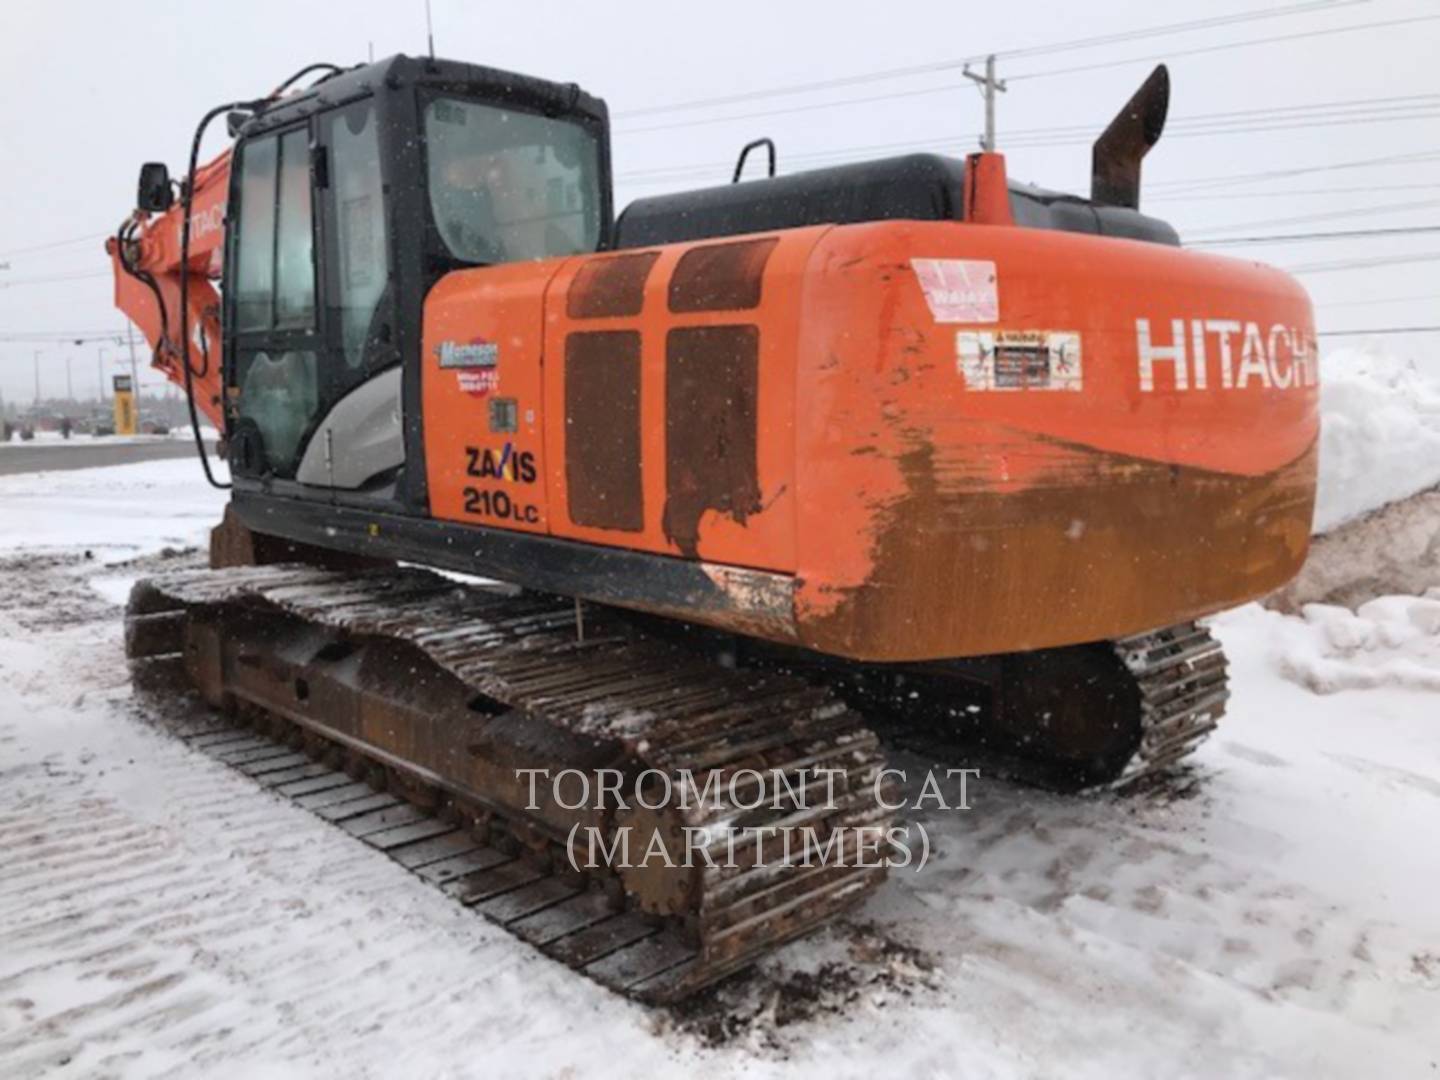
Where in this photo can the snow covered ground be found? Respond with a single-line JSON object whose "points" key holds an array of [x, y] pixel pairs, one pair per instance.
{"points": [[54, 438], [162, 915], [116, 513]]}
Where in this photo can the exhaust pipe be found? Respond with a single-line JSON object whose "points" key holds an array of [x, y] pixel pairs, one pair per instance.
{"points": [[1115, 160]]}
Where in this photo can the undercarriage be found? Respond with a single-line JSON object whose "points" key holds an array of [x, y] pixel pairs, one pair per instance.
{"points": [[487, 739]]}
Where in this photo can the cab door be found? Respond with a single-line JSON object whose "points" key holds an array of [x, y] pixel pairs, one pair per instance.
{"points": [[317, 370], [275, 382]]}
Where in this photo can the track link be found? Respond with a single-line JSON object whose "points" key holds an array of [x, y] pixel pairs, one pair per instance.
{"points": [[1182, 677], [396, 703]]}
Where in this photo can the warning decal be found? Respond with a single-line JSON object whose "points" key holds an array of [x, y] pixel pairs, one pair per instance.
{"points": [[1019, 359], [959, 290]]}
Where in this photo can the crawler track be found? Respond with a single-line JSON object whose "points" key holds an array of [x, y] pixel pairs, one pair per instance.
{"points": [[1101, 716], [1182, 678], [399, 706]]}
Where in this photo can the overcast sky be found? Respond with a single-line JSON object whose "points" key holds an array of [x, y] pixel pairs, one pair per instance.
{"points": [[90, 90]]}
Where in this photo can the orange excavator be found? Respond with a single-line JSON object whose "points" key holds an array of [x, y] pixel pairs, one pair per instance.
{"points": [[766, 468]]}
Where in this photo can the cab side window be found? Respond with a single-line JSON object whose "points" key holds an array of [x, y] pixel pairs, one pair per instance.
{"points": [[357, 266], [294, 237], [255, 276], [276, 369], [275, 279]]}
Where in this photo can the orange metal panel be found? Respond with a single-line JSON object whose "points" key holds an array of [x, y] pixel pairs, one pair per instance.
{"points": [[763, 538], [484, 331], [947, 509], [966, 439]]}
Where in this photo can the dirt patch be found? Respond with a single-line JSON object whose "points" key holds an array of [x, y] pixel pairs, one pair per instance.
{"points": [[1395, 549], [57, 594], [869, 967]]}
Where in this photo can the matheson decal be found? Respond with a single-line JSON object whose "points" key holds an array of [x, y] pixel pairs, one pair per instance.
{"points": [[477, 354], [474, 364]]}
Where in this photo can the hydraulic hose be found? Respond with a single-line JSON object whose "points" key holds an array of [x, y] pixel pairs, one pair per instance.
{"points": [[187, 197]]}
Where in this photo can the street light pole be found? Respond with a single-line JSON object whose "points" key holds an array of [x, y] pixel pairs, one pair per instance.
{"points": [[134, 370]]}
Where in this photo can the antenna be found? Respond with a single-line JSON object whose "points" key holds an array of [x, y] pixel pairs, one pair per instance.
{"points": [[429, 30]]}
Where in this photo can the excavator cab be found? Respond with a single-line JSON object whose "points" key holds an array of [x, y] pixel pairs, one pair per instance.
{"points": [[349, 201]]}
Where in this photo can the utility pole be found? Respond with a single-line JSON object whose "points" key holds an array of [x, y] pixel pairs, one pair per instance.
{"points": [[100, 370], [135, 371], [37, 378], [69, 384], [989, 86]]}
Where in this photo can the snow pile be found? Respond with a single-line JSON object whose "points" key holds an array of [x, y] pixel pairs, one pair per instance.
{"points": [[1379, 434], [1390, 641], [1377, 510]]}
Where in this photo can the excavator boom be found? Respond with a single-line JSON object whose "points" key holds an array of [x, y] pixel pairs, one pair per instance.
{"points": [[146, 258]]}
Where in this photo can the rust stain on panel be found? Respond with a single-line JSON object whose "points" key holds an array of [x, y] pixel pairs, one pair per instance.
{"points": [[720, 277], [1104, 545], [602, 429], [711, 428], [610, 287]]}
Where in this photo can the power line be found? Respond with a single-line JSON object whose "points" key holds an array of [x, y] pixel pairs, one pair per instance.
{"points": [[1120, 37], [53, 244], [78, 338], [1379, 330], [1377, 300], [1173, 55], [916, 92], [1322, 109], [1297, 237], [1312, 6], [6, 284], [61, 331], [1193, 127], [1245, 122], [1174, 28], [1364, 264], [1182, 130], [1208, 182], [1296, 193], [1327, 110], [1329, 215]]}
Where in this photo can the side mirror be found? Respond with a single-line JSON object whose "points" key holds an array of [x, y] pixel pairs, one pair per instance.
{"points": [[155, 195]]}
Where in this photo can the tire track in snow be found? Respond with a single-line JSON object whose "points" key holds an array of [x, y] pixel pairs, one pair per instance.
{"points": [[153, 902]]}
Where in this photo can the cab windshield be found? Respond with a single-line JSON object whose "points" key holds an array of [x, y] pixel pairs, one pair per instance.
{"points": [[508, 185]]}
